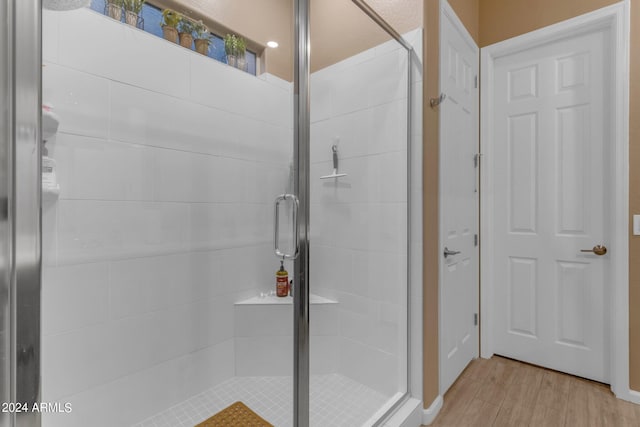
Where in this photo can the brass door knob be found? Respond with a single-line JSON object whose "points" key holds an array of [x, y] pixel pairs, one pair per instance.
{"points": [[598, 250]]}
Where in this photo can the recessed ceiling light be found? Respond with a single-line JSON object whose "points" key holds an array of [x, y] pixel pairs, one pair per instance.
{"points": [[272, 44]]}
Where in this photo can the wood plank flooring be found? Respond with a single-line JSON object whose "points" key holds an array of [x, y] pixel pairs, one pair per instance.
{"points": [[500, 392]]}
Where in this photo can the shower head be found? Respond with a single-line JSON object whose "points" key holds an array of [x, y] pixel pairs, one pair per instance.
{"points": [[65, 4]]}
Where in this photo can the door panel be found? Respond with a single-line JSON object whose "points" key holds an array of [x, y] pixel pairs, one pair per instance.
{"points": [[549, 296], [522, 173], [458, 198], [522, 291]]}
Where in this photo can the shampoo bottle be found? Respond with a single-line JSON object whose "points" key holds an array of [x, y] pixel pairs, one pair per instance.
{"points": [[282, 281]]}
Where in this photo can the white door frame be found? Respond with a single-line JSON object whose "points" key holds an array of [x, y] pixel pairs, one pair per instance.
{"points": [[447, 12], [614, 18]]}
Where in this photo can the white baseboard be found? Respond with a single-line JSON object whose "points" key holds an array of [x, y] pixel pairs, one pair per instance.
{"points": [[408, 415], [430, 414], [634, 396], [627, 395]]}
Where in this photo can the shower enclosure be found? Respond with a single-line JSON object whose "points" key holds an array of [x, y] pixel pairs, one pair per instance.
{"points": [[137, 281]]}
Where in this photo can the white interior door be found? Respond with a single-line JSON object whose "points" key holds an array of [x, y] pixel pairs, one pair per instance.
{"points": [[549, 169], [458, 198]]}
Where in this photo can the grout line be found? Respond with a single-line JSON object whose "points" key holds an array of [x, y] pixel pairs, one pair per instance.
{"points": [[102, 139]]}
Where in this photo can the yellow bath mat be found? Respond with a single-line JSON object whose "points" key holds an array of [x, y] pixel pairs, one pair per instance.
{"points": [[236, 415]]}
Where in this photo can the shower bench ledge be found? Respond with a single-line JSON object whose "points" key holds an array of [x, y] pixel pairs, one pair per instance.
{"points": [[274, 300]]}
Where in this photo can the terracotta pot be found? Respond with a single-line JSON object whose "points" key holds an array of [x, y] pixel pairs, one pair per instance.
{"points": [[131, 18], [202, 46], [114, 11], [170, 33], [186, 40], [241, 64]]}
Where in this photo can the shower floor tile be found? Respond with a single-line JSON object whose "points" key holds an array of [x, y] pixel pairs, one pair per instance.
{"points": [[335, 401]]}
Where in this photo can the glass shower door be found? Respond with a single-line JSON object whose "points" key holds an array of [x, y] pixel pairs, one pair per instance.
{"points": [[359, 153], [158, 253]]}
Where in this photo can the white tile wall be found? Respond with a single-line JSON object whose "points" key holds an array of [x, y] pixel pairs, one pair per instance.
{"points": [[98, 169], [273, 355], [359, 222], [66, 286], [264, 339], [49, 234], [238, 95], [137, 396], [88, 42], [50, 32], [168, 164], [153, 118], [90, 230], [81, 98], [369, 79]]}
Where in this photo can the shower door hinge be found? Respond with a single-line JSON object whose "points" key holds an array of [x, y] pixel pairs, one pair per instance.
{"points": [[475, 240], [476, 159], [475, 83], [475, 319]]}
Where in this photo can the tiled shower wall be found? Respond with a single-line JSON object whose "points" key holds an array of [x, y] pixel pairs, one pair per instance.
{"points": [[168, 164], [359, 222]]}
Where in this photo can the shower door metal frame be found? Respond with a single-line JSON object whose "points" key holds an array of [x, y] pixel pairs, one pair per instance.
{"points": [[20, 208], [6, 216], [302, 162]]}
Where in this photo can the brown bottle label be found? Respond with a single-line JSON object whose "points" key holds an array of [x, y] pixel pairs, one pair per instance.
{"points": [[282, 286]]}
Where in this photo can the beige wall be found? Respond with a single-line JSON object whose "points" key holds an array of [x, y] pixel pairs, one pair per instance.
{"points": [[339, 29], [503, 19], [431, 224], [469, 13]]}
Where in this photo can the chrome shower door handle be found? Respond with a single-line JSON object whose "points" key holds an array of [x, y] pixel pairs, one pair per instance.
{"points": [[276, 229]]}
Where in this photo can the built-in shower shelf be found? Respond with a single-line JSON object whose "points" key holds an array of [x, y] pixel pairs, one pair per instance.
{"points": [[274, 300]]}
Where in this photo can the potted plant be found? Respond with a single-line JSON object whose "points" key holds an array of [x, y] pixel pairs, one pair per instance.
{"points": [[241, 62], [235, 48], [202, 38], [114, 9], [170, 21], [185, 30], [230, 43], [132, 9]]}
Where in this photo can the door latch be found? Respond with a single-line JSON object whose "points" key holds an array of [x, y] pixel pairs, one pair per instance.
{"points": [[448, 252]]}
